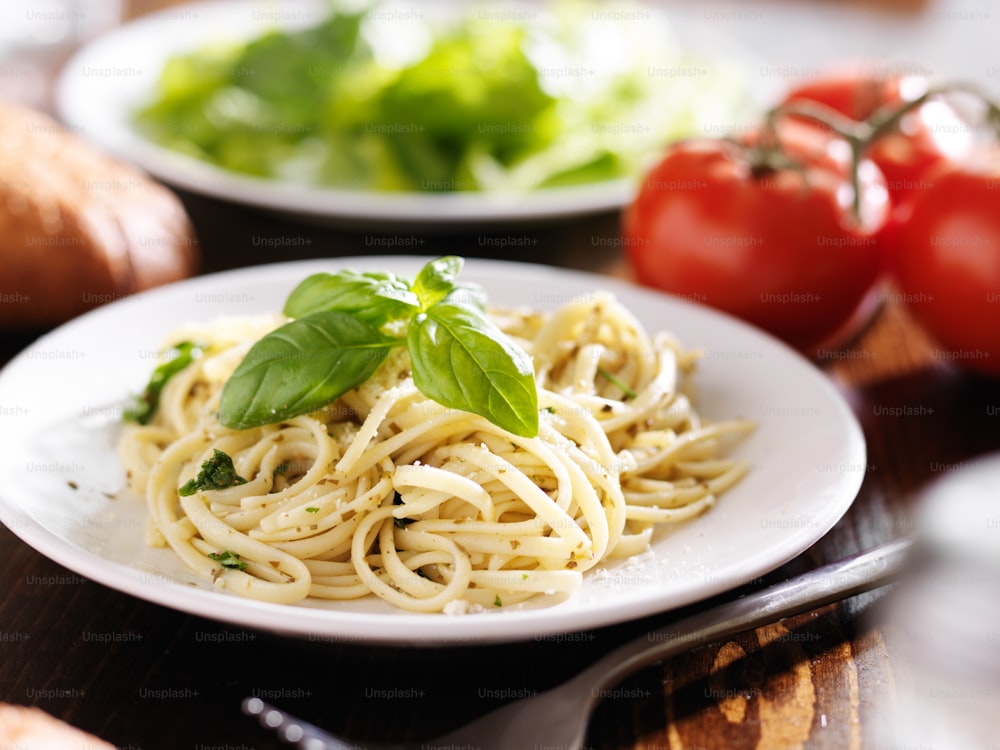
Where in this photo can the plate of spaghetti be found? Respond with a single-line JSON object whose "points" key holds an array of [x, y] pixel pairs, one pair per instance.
{"points": [[387, 450]]}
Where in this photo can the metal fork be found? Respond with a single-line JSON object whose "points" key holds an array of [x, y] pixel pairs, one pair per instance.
{"points": [[559, 716]]}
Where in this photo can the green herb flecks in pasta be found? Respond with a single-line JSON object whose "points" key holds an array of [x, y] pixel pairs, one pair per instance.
{"points": [[385, 474], [217, 473], [616, 382], [144, 408], [228, 559], [459, 357]]}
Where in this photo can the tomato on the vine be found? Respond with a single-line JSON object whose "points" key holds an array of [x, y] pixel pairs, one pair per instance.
{"points": [[948, 266], [777, 245], [928, 137], [853, 89]]}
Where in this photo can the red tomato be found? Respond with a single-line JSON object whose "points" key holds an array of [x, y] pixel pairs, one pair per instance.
{"points": [[948, 266], [778, 248], [927, 138], [853, 89]]}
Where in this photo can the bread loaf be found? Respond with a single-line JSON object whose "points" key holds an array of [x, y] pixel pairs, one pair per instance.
{"points": [[78, 228], [28, 727]]}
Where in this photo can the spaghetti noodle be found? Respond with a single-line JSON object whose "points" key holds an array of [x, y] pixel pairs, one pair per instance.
{"points": [[385, 492]]}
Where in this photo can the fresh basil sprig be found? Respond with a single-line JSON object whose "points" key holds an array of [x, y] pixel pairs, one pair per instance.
{"points": [[374, 298], [302, 366], [462, 360], [144, 406], [346, 324]]}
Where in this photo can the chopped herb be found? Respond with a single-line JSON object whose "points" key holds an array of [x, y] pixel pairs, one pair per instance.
{"points": [[402, 523], [312, 509], [145, 405], [497, 602], [217, 473], [629, 393], [228, 559]]}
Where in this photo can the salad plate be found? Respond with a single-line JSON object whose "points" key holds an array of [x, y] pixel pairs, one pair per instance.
{"points": [[62, 485], [107, 82]]}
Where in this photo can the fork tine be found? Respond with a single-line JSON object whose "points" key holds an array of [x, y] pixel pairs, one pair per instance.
{"points": [[559, 716], [302, 734]]}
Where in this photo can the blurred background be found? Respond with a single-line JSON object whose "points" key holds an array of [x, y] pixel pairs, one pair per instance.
{"points": [[949, 37]]}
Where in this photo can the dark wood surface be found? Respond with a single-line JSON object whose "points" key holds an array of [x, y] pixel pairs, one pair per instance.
{"points": [[142, 676]]}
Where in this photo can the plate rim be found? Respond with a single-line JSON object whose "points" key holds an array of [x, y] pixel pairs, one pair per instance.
{"points": [[412, 628]]}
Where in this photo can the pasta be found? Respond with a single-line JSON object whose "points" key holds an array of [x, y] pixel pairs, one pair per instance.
{"points": [[385, 492]]}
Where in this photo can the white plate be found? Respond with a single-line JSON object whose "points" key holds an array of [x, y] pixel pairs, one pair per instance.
{"points": [[107, 80], [62, 397]]}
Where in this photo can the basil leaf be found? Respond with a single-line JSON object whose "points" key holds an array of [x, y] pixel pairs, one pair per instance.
{"points": [[437, 282], [302, 366], [145, 405], [437, 279], [464, 361], [216, 473], [375, 298], [469, 294]]}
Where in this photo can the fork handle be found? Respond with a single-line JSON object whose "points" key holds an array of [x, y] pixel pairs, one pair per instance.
{"points": [[824, 585]]}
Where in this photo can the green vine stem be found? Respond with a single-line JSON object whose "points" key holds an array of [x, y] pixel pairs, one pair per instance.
{"points": [[860, 135], [888, 118]]}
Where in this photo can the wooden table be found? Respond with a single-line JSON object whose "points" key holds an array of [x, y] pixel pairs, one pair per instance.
{"points": [[146, 677]]}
